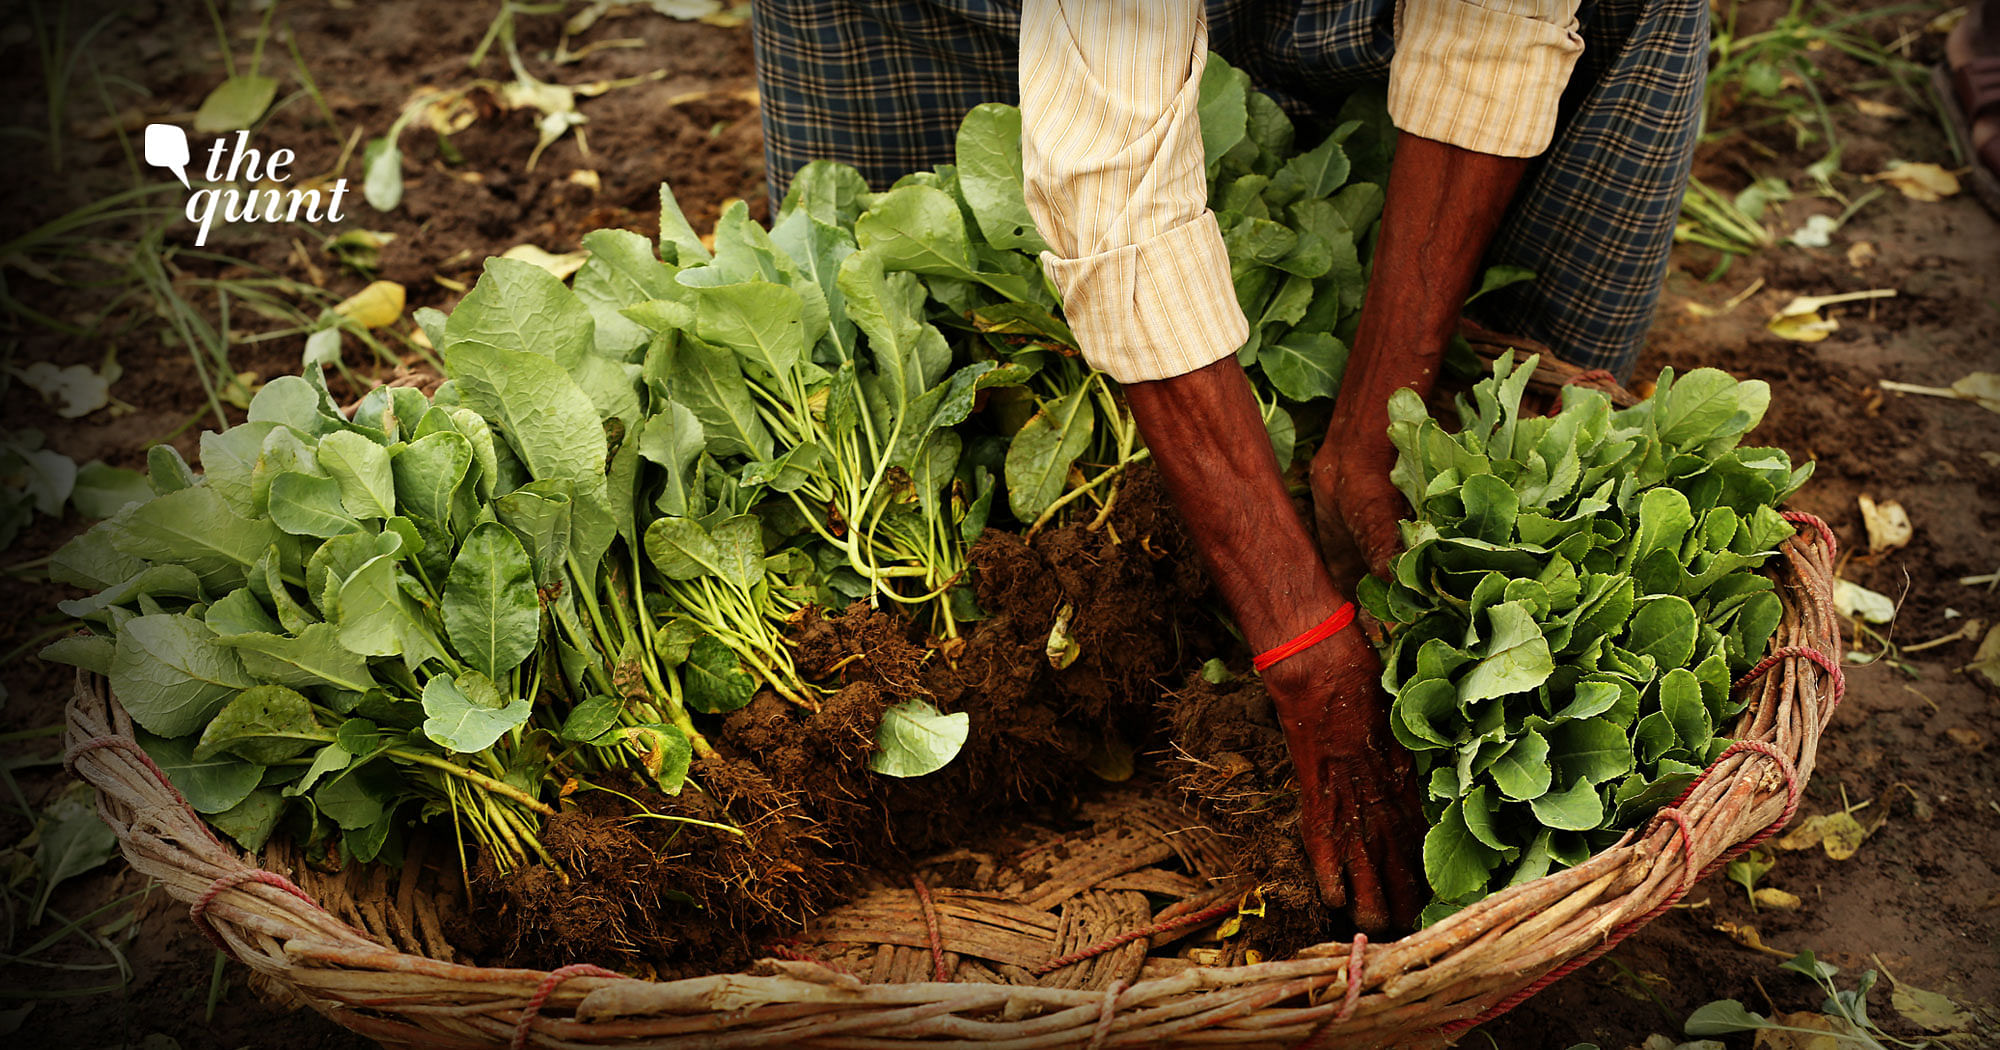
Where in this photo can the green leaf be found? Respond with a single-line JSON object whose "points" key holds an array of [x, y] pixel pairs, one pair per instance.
{"points": [[1664, 627], [915, 739], [709, 381], [663, 751], [310, 505], [72, 840], [1455, 862], [235, 104], [520, 307], [550, 423], [1522, 772], [102, 490], [990, 174], [1040, 456], [1591, 750], [592, 719], [170, 675], [1578, 808], [760, 321], [1223, 108], [360, 797], [917, 228], [714, 678], [313, 657], [265, 725], [197, 528], [468, 714], [377, 617], [1310, 175], [90, 652], [682, 549], [429, 470], [1723, 1017], [211, 785], [1516, 656], [491, 613], [382, 174], [251, 821], [1304, 365], [678, 242]]}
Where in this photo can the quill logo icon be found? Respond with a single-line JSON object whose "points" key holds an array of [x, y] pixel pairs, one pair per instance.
{"points": [[166, 146]]}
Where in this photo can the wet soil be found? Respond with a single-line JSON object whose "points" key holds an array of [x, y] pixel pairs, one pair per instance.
{"points": [[1918, 743]]}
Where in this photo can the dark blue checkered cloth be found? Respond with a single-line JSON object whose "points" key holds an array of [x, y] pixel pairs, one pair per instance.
{"points": [[883, 84]]}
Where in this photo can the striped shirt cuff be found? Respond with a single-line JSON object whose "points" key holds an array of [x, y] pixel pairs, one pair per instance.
{"points": [[1157, 309], [1484, 76]]}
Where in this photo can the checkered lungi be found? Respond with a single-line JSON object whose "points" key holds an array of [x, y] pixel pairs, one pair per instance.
{"points": [[883, 84]]}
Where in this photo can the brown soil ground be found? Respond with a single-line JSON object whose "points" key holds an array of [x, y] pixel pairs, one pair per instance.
{"points": [[1920, 895]]}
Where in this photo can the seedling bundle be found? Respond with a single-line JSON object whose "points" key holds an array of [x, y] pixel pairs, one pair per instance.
{"points": [[460, 614]]}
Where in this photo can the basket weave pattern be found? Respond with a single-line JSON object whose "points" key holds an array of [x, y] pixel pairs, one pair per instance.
{"points": [[1417, 991]]}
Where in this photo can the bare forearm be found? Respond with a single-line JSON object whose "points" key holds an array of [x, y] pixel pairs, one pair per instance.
{"points": [[1444, 206]]}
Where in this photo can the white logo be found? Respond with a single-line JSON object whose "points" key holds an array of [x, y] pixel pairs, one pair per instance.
{"points": [[167, 147]]}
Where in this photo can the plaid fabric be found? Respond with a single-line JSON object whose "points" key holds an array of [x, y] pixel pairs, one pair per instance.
{"points": [[883, 84]]}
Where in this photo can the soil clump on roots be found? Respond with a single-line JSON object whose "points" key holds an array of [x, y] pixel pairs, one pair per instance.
{"points": [[684, 898]]}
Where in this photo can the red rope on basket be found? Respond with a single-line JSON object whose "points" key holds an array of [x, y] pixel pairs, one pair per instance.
{"points": [[1357, 965], [1807, 652], [1107, 1010], [198, 911], [1799, 517], [1325, 629], [931, 931], [547, 988], [1213, 911], [1758, 747], [131, 747]]}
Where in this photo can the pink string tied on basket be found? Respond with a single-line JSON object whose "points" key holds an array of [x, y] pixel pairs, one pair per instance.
{"points": [[1357, 970], [939, 972], [554, 980], [1107, 1011], [1834, 672], [198, 911]]}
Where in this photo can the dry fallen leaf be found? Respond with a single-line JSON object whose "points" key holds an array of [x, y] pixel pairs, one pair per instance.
{"points": [[1928, 1010], [1986, 661], [1773, 897], [77, 390], [1871, 108], [1888, 524], [1824, 1033], [1992, 458], [374, 306], [1860, 254], [1852, 599], [1980, 388], [1804, 835], [1841, 835], [1970, 739], [586, 178], [1800, 320], [1919, 182], [561, 266], [1747, 936]]}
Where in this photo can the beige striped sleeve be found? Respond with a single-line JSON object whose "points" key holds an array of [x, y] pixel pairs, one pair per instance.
{"points": [[1483, 75], [1111, 143]]}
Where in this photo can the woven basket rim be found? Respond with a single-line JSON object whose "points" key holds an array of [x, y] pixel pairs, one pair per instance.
{"points": [[1420, 989]]}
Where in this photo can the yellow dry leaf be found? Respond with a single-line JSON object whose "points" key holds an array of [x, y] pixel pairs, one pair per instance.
{"points": [[1773, 897], [586, 178], [560, 266], [1969, 739], [1918, 181], [1986, 661], [1928, 1010], [1852, 599], [1747, 936], [374, 306], [1871, 108], [1983, 387], [1888, 524], [1824, 1034], [1841, 835], [1992, 458], [1860, 254], [1800, 320], [1805, 834]]}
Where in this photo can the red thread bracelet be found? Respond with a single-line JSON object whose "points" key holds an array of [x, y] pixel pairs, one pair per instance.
{"points": [[1327, 628]]}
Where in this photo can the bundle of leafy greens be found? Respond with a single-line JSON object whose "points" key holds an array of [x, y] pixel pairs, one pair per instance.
{"points": [[1577, 594], [597, 531]]}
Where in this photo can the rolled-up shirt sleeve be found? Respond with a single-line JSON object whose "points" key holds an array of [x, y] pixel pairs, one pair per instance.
{"points": [[1117, 183], [1483, 75]]}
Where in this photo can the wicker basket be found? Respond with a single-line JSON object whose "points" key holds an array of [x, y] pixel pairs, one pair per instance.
{"points": [[1417, 991]]}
